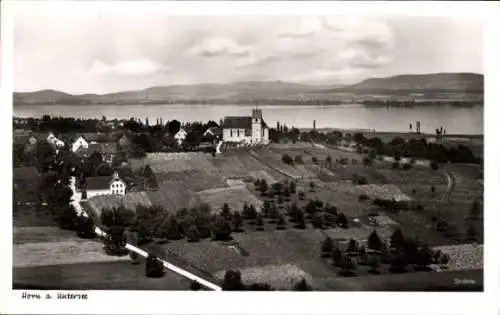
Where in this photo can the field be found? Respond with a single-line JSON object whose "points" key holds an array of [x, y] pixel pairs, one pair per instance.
{"points": [[130, 201], [121, 275], [235, 197]]}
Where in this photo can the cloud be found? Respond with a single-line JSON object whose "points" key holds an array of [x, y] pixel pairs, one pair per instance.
{"points": [[138, 67], [217, 47], [308, 27]]}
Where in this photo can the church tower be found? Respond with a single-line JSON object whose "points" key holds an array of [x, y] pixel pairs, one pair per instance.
{"points": [[257, 133]]}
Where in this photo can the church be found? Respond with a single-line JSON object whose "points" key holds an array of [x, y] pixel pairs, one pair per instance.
{"points": [[246, 129]]}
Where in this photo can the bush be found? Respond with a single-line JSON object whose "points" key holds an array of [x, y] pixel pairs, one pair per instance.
{"points": [[193, 235], [302, 285], [302, 195], [299, 160], [362, 197], [221, 230], [287, 159], [395, 165], [86, 228], [406, 166], [367, 161], [195, 286], [342, 221], [154, 267], [314, 160], [434, 165], [232, 281]]}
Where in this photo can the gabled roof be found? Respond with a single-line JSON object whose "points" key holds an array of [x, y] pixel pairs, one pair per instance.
{"points": [[99, 182], [103, 148], [237, 122], [213, 130]]}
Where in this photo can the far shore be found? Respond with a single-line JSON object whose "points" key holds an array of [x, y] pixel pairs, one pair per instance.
{"points": [[393, 134]]}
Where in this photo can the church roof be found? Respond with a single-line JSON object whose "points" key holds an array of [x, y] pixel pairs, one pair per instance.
{"points": [[237, 122]]}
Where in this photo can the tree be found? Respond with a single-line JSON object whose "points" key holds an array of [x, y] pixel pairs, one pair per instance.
{"points": [[302, 285], [173, 127], [342, 221], [311, 207], [337, 257], [273, 211], [300, 220], [326, 247], [374, 263], [302, 195], [348, 267], [314, 160], [259, 222], [293, 187], [86, 228], [444, 259], [397, 156], [397, 239], [329, 161], [154, 267], [192, 233], [257, 184], [232, 281], [173, 229], [263, 187], [471, 233], [195, 286], [398, 262], [299, 160], [475, 211], [281, 223], [311, 186], [237, 222], [286, 193], [287, 159], [424, 257], [374, 242], [115, 241], [221, 229], [352, 247], [226, 212], [144, 233]]}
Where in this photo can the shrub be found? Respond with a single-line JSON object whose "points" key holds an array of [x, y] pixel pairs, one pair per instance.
{"points": [[86, 228], [237, 222], [311, 186], [232, 281], [287, 159], [362, 197], [302, 285], [144, 234], [367, 161], [374, 242], [395, 165], [314, 160], [406, 166], [293, 188], [221, 229], [299, 160], [260, 287], [281, 223], [154, 267], [342, 221], [195, 286], [115, 241], [302, 195], [259, 222], [193, 235], [134, 257], [434, 165]]}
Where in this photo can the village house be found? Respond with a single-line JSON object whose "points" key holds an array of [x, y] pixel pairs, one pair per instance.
{"points": [[54, 141], [246, 129], [107, 150], [214, 132], [180, 136], [83, 140], [104, 185]]}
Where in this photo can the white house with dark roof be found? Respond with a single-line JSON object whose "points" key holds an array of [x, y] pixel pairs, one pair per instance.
{"points": [[246, 129], [53, 140], [104, 185], [180, 136]]}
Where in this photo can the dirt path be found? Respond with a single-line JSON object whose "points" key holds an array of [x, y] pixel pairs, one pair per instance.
{"points": [[450, 186]]}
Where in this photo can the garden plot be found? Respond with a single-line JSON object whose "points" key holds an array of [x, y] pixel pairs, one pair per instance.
{"points": [[385, 192], [129, 201], [172, 197], [280, 277], [55, 253], [114, 275], [347, 203], [463, 257], [195, 180], [235, 197], [358, 233], [174, 162], [263, 175], [43, 234]]}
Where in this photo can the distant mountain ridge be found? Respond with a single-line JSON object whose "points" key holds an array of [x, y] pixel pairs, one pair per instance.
{"points": [[267, 90]]}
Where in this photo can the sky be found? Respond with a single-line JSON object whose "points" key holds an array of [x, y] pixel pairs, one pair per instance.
{"points": [[109, 52]]}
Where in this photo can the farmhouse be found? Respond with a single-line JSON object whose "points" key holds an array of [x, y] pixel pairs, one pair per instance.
{"points": [[53, 140], [104, 185], [180, 136], [246, 129], [213, 132]]}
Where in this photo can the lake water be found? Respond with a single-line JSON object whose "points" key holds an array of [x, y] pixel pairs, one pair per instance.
{"points": [[454, 120]]}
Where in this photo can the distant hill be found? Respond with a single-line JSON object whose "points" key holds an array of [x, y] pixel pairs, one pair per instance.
{"points": [[460, 83], [438, 82]]}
